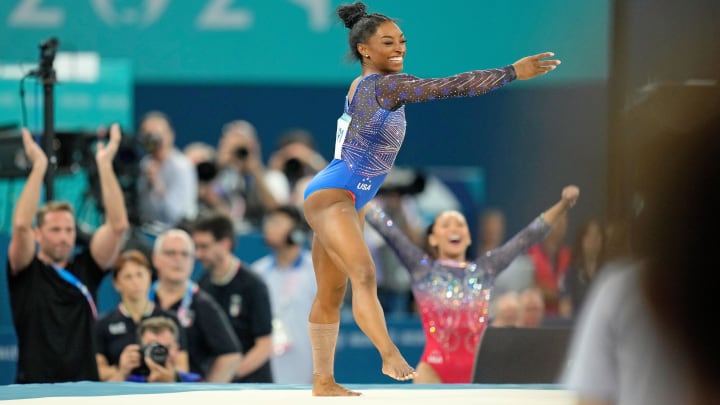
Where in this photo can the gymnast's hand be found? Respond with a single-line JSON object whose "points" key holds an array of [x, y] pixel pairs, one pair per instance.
{"points": [[570, 195], [535, 65]]}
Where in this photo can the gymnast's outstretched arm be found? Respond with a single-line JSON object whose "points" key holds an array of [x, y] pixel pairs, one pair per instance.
{"points": [[394, 90], [406, 250], [500, 258]]}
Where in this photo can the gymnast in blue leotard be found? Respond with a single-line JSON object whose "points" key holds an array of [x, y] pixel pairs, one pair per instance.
{"points": [[372, 126], [368, 138]]}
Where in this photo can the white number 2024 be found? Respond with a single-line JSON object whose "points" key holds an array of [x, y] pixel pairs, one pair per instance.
{"points": [[215, 15]]}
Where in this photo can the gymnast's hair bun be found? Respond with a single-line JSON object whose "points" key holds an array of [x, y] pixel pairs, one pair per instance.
{"points": [[352, 13]]}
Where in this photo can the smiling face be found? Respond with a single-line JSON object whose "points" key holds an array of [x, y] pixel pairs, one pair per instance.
{"points": [[384, 51], [450, 236]]}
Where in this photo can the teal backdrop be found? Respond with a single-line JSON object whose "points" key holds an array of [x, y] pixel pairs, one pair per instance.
{"points": [[280, 64], [79, 104], [302, 41]]}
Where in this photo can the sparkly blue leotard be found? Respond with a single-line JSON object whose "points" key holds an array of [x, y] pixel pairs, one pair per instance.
{"points": [[453, 296], [372, 127]]}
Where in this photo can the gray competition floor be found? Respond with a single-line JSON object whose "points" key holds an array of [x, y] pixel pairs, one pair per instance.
{"points": [[269, 394]]}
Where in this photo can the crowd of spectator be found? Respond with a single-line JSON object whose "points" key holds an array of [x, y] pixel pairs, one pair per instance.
{"points": [[240, 321]]}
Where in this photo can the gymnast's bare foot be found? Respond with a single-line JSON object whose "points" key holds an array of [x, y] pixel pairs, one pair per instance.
{"points": [[395, 366], [325, 386]]}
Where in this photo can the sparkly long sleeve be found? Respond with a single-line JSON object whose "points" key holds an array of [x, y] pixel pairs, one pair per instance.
{"points": [[393, 91], [409, 254], [500, 258]]}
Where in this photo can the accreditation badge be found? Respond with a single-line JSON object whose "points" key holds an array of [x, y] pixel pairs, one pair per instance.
{"points": [[280, 337]]}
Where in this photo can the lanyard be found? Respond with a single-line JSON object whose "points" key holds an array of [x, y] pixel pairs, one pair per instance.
{"points": [[70, 278], [182, 312]]}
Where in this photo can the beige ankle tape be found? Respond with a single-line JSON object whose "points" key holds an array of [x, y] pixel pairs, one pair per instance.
{"points": [[323, 338]]}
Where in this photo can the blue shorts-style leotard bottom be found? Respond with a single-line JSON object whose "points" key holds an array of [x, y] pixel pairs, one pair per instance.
{"points": [[338, 175]]}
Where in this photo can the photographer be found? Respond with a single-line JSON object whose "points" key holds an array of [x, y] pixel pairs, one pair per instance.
{"points": [[168, 182], [116, 332], [203, 156], [246, 187], [156, 355], [296, 157]]}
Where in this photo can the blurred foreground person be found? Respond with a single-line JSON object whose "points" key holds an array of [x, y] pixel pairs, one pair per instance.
{"points": [[644, 335]]}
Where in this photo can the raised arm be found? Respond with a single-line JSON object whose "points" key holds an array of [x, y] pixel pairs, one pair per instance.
{"points": [[22, 242], [500, 258], [568, 198], [107, 241], [409, 254], [395, 90]]}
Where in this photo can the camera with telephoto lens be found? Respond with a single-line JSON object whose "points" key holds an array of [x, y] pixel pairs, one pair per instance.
{"points": [[156, 352], [241, 152], [206, 171], [294, 169], [150, 141]]}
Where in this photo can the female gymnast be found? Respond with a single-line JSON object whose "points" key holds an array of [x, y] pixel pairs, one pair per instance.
{"points": [[368, 138], [453, 294]]}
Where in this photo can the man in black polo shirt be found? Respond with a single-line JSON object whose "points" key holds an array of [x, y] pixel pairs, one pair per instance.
{"points": [[52, 292], [241, 293], [118, 353], [213, 349]]}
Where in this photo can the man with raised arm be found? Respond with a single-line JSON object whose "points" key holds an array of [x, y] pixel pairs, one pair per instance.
{"points": [[53, 287]]}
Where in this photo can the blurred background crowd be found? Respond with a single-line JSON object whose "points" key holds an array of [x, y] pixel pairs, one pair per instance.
{"points": [[230, 107]]}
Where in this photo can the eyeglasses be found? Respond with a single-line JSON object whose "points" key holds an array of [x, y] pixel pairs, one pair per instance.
{"points": [[170, 252]]}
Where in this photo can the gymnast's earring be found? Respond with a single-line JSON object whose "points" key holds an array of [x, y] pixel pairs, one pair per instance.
{"points": [[367, 56]]}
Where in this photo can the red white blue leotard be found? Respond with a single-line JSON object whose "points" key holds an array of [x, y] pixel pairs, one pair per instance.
{"points": [[453, 296]]}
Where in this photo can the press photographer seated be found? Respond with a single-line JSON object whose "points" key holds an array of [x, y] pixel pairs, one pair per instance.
{"points": [[157, 353], [117, 332]]}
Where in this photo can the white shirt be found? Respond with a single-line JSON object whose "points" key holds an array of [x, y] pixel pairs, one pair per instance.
{"points": [[618, 354], [292, 291]]}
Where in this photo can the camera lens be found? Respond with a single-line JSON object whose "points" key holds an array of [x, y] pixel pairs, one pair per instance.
{"points": [[206, 171], [157, 352], [241, 152], [293, 169], [150, 141]]}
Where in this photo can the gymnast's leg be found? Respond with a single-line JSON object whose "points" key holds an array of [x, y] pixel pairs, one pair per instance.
{"points": [[339, 245]]}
